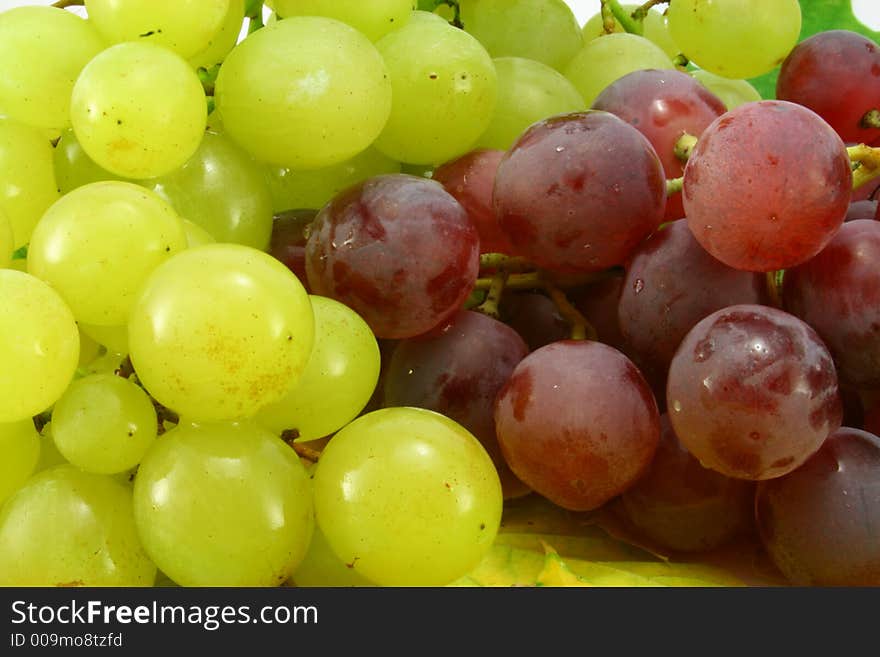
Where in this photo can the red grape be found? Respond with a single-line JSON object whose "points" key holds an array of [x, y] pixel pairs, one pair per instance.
{"points": [[819, 523], [838, 294], [662, 105], [577, 422], [759, 194], [535, 317], [671, 284], [836, 73], [470, 179], [752, 392], [397, 249], [681, 505], [578, 192]]}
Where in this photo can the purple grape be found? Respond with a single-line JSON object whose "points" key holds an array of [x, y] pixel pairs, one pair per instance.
{"points": [[838, 294], [535, 317], [458, 372], [578, 192], [577, 423], [397, 249], [662, 105], [671, 284], [820, 523], [836, 73], [680, 505], [752, 392]]}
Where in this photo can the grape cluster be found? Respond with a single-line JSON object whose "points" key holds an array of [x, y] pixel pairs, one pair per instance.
{"points": [[311, 306]]}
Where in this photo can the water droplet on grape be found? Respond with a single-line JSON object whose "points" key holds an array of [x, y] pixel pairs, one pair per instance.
{"points": [[638, 285], [676, 406]]}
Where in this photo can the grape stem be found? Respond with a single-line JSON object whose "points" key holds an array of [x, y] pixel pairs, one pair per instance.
{"points": [[581, 329], [684, 146], [303, 451], [674, 185], [629, 22], [871, 119], [774, 287], [868, 159], [516, 273], [254, 14], [456, 12], [641, 12], [62, 4], [493, 298]]}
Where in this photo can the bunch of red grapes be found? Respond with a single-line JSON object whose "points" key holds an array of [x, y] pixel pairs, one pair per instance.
{"points": [[731, 385]]}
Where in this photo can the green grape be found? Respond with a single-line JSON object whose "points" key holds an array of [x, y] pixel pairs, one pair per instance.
{"points": [[544, 30], [338, 380], [67, 527], [184, 26], [104, 423], [306, 92], [445, 89], [19, 455], [49, 454], [656, 29], [196, 235], [223, 504], [220, 331], [407, 497], [312, 189], [7, 239], [374, 19], [222, 190], [97, 244], [732, 93], [89, 349], [602, 61], [321, 567], [73, 167], [106, 363], [735, 38], [27, 178], [114, 338], [528, 91], [42, 51], [138, 110], [224, 40], [39, 346]]}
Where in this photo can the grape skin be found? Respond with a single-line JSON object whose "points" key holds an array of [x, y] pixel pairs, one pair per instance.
{"points": [[767, 219], [578, 192], [836, 293], [817, 523], [752, 392], [398, 250], [577, 423]]}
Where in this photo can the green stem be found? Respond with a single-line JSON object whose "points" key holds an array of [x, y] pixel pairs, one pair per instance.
{"points": [[684, 146], [529, 281], [674, 185], [63, 4], [627, 21], [503, 261], [493, 298], [581, 329], [642, 11]]}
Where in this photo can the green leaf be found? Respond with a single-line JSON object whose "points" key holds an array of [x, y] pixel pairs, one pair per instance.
{"points": [[817, 16]]}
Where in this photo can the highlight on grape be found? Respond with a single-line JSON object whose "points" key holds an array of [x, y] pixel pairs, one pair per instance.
{"points": [[440, 292]]}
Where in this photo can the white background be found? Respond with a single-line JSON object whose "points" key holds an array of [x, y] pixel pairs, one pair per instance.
{"points": [[866, 10]]}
